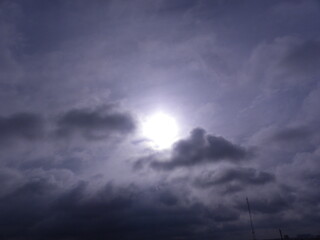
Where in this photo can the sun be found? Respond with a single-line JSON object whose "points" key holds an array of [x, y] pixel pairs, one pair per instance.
{"points": [[161, 130]]}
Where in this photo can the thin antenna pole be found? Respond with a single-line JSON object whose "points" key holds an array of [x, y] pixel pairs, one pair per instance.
{"points": [[251, 223], [280, 234]]}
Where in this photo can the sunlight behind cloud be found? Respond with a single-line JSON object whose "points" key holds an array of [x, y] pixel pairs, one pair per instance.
{"points": [[161, 129]]}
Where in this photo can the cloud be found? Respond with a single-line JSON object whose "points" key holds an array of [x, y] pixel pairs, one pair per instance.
{"points": [[288, 65], [243, 177], [136, 211], [201, 148], [292, 134], [94, 124], [303, 57], [272, 204], [297, 9], [91, 124], [180, 55], [112, 212], [27, 126]]}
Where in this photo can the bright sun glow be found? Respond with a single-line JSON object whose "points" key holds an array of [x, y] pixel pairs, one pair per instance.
{"points": [[161, 129]]}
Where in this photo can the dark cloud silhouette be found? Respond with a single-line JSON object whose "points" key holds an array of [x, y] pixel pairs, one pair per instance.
{"points": [[201, 148], [94, 124], [17, 219], [241, 176], [131, 211], [27, 126], [112, 212]]}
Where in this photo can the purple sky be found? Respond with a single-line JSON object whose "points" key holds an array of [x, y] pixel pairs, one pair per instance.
{"points": [[77, 78]]}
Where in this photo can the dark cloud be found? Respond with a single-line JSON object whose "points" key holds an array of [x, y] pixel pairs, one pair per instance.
{"points": [[293, 133], [73, 164], [17, 219], [241, 176], [179, 5], [201, 148], [304, 57], [272, 204], [132, 211], [94, 124], [27, 126], [91, 124], [112, 212]]}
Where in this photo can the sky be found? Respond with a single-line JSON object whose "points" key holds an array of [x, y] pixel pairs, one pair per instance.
{"points": [[235, 83]]}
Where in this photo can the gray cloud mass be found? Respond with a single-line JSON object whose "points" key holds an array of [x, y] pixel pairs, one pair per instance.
{"points": [[244, 176], [201, 148], [94, 124], [26, 126]]}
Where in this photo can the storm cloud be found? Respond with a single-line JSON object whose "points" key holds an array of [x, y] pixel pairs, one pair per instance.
{"points": [[201, 148], [112, 212], [292, 134], [26, 126], [94, 124], [243, 176]]}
